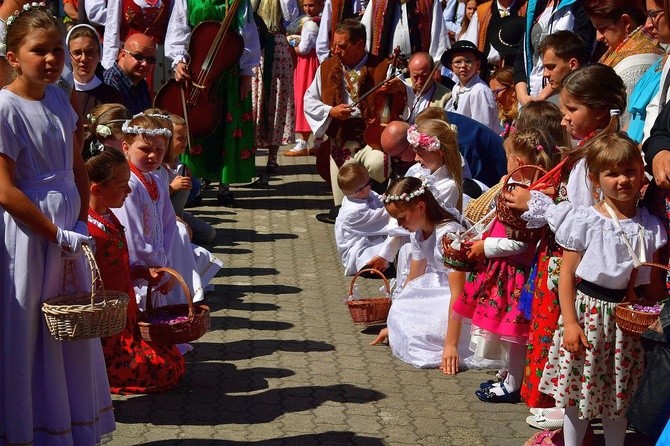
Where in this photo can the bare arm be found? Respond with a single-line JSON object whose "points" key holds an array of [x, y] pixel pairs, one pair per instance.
{"points": [[19, 206], [573, 336], [450, 352]]}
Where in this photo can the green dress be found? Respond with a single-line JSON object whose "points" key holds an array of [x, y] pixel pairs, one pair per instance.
{"points": [[227, 154]]}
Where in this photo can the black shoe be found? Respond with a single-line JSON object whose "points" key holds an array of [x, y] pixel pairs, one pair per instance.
{"points": [[262, 182], [226, 199], [330, 216]]}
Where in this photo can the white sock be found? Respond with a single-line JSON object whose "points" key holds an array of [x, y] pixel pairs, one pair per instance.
{"points": [[614, 431], [517, 364], [574, 428]]}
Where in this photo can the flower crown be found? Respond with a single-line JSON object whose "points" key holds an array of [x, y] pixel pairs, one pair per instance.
{"points": [[13, 17], [426, 142], [406, 196], [135, 130]]}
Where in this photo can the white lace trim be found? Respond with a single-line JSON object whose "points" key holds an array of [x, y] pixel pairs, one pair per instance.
{"points": [[536, 215]]}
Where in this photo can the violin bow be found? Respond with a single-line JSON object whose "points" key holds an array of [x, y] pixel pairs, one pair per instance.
{"points": [[185, 110], [376, 87], [423, 88]]}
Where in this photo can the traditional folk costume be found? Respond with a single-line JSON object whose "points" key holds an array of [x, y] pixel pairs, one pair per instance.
{"points": [[336, 84], [272, 85], [305, 68], [133, 365], [601, 380], [419, 316], [127, 17], [436, 96], [227, 154], [51, 392], [415, 25], [631, 59], [151, 227]]}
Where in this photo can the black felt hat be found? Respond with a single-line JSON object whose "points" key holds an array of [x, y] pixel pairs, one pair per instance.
{"points": [[506, 34], [461, 46]]}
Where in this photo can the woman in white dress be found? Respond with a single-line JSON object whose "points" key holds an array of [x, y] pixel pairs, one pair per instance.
{"points": [[419, 316]]}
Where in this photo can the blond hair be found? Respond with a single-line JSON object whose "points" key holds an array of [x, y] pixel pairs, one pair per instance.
{"points": [[350, 177]]}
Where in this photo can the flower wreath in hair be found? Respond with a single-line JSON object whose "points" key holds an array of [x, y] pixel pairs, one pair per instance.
{"points": [[426, 142], [136, 130], [407, 196], [13, 17]]}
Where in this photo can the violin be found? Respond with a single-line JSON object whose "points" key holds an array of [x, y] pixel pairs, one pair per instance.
{"points": [[214, 49], [389, 104]]}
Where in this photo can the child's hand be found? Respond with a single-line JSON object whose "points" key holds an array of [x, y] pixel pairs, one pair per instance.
{"points": [[381, 337], [574, 338], [449, 360], [378, 263], [181, 183], [518, 198], [167, 286], [476, 250]]}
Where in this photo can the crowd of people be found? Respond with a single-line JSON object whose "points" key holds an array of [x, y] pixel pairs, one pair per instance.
{"points": [[550, 110]]}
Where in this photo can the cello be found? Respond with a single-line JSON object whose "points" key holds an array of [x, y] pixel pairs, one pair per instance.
{"points": [[197, 100]]}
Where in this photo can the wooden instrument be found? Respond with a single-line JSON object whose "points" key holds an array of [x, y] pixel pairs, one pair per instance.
{"points": [[214, 49]]}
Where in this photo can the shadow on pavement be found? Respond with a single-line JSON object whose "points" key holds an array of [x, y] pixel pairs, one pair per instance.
{"points": [[231, 323], [236, 236], [202, 404], [226, 292], [248, 349], [332, 438], [249, 271]]}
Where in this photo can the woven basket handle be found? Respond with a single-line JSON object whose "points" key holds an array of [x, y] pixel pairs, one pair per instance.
{"points": [[183, 285], [630, 291], [371, 270], [96, 277], [535, 184]]}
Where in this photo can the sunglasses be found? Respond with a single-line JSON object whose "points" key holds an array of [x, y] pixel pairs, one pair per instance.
{"points": [[140, 58], [369, 183]]}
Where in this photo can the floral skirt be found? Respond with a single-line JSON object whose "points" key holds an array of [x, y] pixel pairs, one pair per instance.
{"points": [[601, 380], [134, 366], [490, 298]]}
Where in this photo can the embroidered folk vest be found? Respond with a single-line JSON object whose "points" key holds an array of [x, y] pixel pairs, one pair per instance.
{"points": [[150, 21]]}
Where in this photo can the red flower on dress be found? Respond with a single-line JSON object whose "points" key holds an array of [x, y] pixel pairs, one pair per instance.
{"points": [[237, 133], [246, 117], [229, 117], [245, 154]]}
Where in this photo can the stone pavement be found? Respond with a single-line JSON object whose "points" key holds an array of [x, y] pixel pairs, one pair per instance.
{"points": [[284, 364]]}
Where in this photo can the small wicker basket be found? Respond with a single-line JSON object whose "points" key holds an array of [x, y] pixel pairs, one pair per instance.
{"points": [[373, 310], [515, 226], [456, 259], [86, 315], [195, 325], [633, 322]]}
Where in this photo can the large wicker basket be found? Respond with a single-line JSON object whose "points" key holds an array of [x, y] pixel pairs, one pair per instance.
{"points": [[633, 322], [515, 226], [195, 324], [373, 310], [479, 208], [86, 315]]}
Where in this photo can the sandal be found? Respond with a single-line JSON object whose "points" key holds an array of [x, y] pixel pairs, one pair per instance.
{"points": [[272, 165]]}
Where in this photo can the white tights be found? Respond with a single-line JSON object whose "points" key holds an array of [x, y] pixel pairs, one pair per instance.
{"points": [[574, 429]]}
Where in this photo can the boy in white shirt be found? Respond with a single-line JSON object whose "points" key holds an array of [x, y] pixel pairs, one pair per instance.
{"points": [[471, 96], [362, 225]]}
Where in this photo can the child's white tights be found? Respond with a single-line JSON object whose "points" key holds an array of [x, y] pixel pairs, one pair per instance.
{"points": [[517, 363], [574, 429]]}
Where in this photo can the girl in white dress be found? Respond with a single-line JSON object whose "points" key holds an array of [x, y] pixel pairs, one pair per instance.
{"points": [[419, 316], [147, 213], [593, 368], [51, 392]]}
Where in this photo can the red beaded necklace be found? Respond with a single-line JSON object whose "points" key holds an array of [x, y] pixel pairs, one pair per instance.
{"points": [[149, 186], [111, 224], [587, 137], [152, 3]]}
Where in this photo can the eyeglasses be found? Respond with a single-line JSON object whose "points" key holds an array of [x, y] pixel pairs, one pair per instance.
{"points": [[369, 183], [653, 13], [78, 54], [140, 58], [462, 62]]}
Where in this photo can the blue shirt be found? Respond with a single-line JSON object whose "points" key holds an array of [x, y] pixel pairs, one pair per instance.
{"points": [[136, 98]]}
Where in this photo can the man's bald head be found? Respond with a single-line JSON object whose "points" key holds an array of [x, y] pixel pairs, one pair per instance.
{"points": [[420, 69], [137, 57], [394, 140]]}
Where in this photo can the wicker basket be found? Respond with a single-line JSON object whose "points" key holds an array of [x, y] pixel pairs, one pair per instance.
{"points": [[477, 209], [515, 226], [456, 259], [86, 315], [197, 322], [633, 322], [369, 311]]}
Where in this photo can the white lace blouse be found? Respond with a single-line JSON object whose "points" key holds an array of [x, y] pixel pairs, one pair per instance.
{"points": [[606, 261]]}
